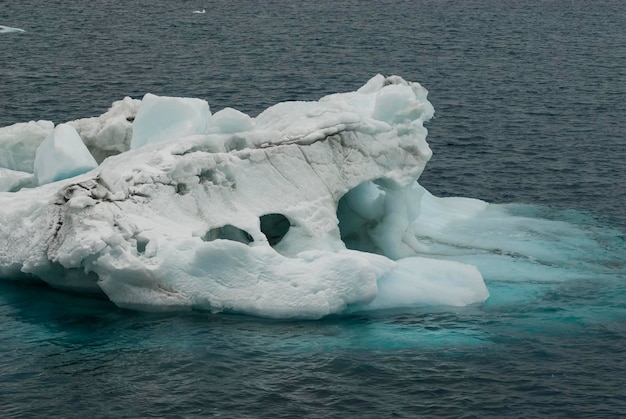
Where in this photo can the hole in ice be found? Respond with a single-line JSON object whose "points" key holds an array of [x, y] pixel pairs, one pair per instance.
{"points": [[228, 232], [235, 143], [221, 177], [182, 188], [207, 175], [274, 226], [141, 245], [359, 211]]}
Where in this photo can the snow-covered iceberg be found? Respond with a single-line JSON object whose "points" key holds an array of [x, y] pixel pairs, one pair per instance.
{"points": [[309, 209]]}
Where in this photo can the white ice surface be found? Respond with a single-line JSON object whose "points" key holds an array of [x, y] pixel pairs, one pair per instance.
{"points": [[232, 213], [12, 180], [419, 282]]}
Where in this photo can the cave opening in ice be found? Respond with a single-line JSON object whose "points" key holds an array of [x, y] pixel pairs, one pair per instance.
{"points": [[274, 227], [228, 232], [381, 220], [359, 212]]}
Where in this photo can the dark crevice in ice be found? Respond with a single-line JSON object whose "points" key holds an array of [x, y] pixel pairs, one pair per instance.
{"points": [[228, 232], [141, 245], [182, 188], [274, 226]]}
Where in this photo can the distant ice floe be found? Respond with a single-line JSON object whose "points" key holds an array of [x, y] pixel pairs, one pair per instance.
{"points": [[8, 29], [307, 210]]}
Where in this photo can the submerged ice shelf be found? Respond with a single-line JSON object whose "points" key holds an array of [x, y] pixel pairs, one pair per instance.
{"points": [[309, 209]]}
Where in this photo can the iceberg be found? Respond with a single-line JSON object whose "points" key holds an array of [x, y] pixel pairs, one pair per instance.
{"points": [[308, 209]]}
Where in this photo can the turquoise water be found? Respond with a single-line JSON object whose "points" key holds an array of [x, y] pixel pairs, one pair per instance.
{"points": [[529, 100]]}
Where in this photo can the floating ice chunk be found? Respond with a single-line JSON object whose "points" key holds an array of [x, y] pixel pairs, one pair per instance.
{"points": [[162, 118], [8, 29], [19, 143], [230, 121], [62, 155]]}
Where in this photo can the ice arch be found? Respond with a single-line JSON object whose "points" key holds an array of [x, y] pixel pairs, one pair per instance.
{"points": [[377, 219], [228, 232], [359, 211]]}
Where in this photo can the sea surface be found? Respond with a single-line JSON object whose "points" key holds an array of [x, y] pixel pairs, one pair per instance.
{"points": [[530, 99]]}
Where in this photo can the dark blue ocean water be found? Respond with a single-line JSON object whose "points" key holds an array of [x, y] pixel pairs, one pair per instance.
{"points": [[530, 100]]}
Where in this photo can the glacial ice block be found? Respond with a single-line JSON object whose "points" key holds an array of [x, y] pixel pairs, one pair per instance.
{"points": [[249, 221], [161, 118], [62, 155]]}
